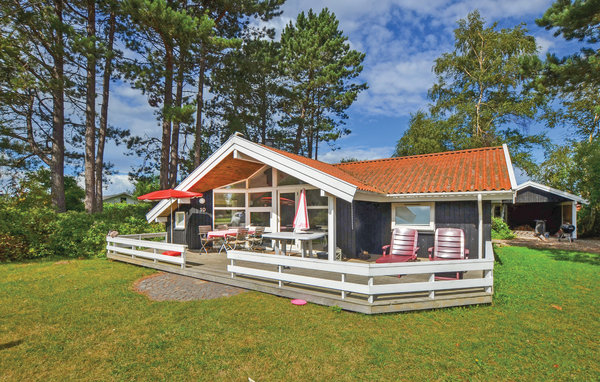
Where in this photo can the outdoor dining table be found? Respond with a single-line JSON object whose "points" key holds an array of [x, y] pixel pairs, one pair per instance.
{"points": [[284, 237], [223, 234]]}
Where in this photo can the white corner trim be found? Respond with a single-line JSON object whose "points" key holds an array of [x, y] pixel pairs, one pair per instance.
{"points": [[509, 166], [555, 191]]}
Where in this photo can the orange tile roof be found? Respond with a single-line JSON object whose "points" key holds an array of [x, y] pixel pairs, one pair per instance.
{"points": [[328, 169], [482, 169]]}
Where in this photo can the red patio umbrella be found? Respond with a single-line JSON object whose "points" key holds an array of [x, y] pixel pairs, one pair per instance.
{"points": [[301, 218], [170, 194]]}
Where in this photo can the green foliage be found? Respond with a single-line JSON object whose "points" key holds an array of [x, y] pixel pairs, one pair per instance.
{"points": [[318, 69], [424, 135], [34, 231], [478, 98], [500, 229]]}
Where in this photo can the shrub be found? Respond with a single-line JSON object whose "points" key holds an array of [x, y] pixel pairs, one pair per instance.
{"points": [[37, 231], [500, 230]]}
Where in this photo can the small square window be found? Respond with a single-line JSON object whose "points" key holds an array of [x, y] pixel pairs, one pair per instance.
{"points": [[180, 220]]}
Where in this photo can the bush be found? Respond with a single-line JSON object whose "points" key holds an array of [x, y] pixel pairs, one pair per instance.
{"points": [[500, 230], [37, 231]]}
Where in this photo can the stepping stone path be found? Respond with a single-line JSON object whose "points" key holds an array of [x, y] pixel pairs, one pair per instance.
{"points": [[171, 287]]}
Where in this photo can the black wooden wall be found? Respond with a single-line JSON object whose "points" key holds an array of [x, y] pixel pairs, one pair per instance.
{"points": [[534, 195], [367, 225], [526, 213], [196, 214]]}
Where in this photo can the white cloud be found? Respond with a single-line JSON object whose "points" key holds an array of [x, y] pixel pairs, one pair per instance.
{"points": [[357, 152], [118, 183]]}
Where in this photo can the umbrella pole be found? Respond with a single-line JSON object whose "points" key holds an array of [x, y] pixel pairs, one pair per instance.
{"points": [[172, 222]]}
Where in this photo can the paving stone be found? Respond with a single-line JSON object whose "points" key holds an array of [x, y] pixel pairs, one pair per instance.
{"points": [[171, 287]]}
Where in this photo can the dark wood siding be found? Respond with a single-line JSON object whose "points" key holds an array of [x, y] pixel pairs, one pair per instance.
{"points": [[194, 217], [535, 195], [372, 226], [345, 234]]}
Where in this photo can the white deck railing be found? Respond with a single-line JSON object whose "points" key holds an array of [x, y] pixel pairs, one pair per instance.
{"points": [[338, 281], [138, 245]]}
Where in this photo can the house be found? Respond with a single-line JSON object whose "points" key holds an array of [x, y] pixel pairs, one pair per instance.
{"points": [[537, 202], [356, 203], [122, 197], [353, 206]]}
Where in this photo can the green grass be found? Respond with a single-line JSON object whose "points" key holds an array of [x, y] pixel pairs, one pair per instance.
{"points": [[81, 320]]}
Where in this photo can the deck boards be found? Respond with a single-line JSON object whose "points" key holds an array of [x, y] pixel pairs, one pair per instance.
{"points": [[213, 267]]}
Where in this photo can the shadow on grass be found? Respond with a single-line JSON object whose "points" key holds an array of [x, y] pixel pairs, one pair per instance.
{"points": [[576, 257], [10, 344]]}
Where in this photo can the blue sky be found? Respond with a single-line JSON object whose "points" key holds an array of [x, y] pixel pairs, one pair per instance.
{"points": [[401, 39]]}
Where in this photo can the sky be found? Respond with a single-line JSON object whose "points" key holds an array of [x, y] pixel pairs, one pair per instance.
{"points": [[401, 40]]}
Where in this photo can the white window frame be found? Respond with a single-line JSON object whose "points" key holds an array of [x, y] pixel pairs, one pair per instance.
{"points": [[177, 225], [419, 227]]}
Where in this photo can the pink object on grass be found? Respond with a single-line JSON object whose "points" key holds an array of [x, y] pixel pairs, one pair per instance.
{"points": [[298, 302]]}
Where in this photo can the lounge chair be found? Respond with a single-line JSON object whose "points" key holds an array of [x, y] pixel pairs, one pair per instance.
{"points": [[402, 248], [240, 239], [449, 244], [255, 239]]}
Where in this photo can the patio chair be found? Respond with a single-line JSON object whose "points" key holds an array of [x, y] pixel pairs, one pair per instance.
{"points": [[203, 231], [402, 247], [255, 239], [449, 244], [239, 239]]}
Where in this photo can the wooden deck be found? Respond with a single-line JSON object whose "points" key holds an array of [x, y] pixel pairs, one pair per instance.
{"points": [[213, 267]]}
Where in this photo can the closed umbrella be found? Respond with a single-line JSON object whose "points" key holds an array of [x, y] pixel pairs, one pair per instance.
{"points": [[170, 194], [301, 218]]}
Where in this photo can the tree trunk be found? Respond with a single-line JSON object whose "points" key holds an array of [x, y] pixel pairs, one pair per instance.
{"points": [[58, 118], [166, 124], [99, 168], [90, 113], [199, 111], [175, 134]]}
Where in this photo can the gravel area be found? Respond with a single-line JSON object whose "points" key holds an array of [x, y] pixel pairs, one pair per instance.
{"points": [[171, 287], [582, 245]]}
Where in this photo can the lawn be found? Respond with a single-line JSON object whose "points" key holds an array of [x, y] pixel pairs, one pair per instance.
{"points": [[81, 320]]}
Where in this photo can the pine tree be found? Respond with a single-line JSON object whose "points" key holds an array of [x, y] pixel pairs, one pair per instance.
{"points": [[318, 67]]}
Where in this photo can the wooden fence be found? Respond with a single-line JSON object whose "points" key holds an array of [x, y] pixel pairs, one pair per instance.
{"points": [[139, 245]]}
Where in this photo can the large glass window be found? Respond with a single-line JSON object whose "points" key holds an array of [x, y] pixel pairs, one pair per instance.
{"points": [[284, 179], [262, 179], [260, 199], [414, 215], [230, 199], [317, 219], [314, 198], [230, 218], [260, 219]]}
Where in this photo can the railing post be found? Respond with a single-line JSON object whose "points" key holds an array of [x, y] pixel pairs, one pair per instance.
{"points": [[183, 254], [343, 281], [154, 252], [232, 264], [489, 275], [279, 270], [370, 284], [432, 280]]}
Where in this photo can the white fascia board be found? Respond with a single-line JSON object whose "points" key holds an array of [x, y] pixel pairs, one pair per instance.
{"points": [[435, 196], [542, 187], [309, 174], [509, 166]]}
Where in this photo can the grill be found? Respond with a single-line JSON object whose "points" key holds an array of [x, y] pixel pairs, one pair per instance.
{"points": [[566, 232]]}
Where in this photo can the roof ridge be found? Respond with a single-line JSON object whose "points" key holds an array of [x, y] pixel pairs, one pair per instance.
{"points": [[418, 156]]}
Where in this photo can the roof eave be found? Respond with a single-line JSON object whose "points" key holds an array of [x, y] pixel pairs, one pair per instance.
{"points": [[435, 196]]}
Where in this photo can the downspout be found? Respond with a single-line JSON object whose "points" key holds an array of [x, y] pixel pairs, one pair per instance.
{"points": [[480, 230]]}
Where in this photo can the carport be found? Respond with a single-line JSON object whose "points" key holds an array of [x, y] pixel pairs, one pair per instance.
{"points": [[534, 201]]}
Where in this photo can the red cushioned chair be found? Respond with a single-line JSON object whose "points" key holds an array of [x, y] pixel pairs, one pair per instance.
{"points": [[449, 244], [402, 248]]}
